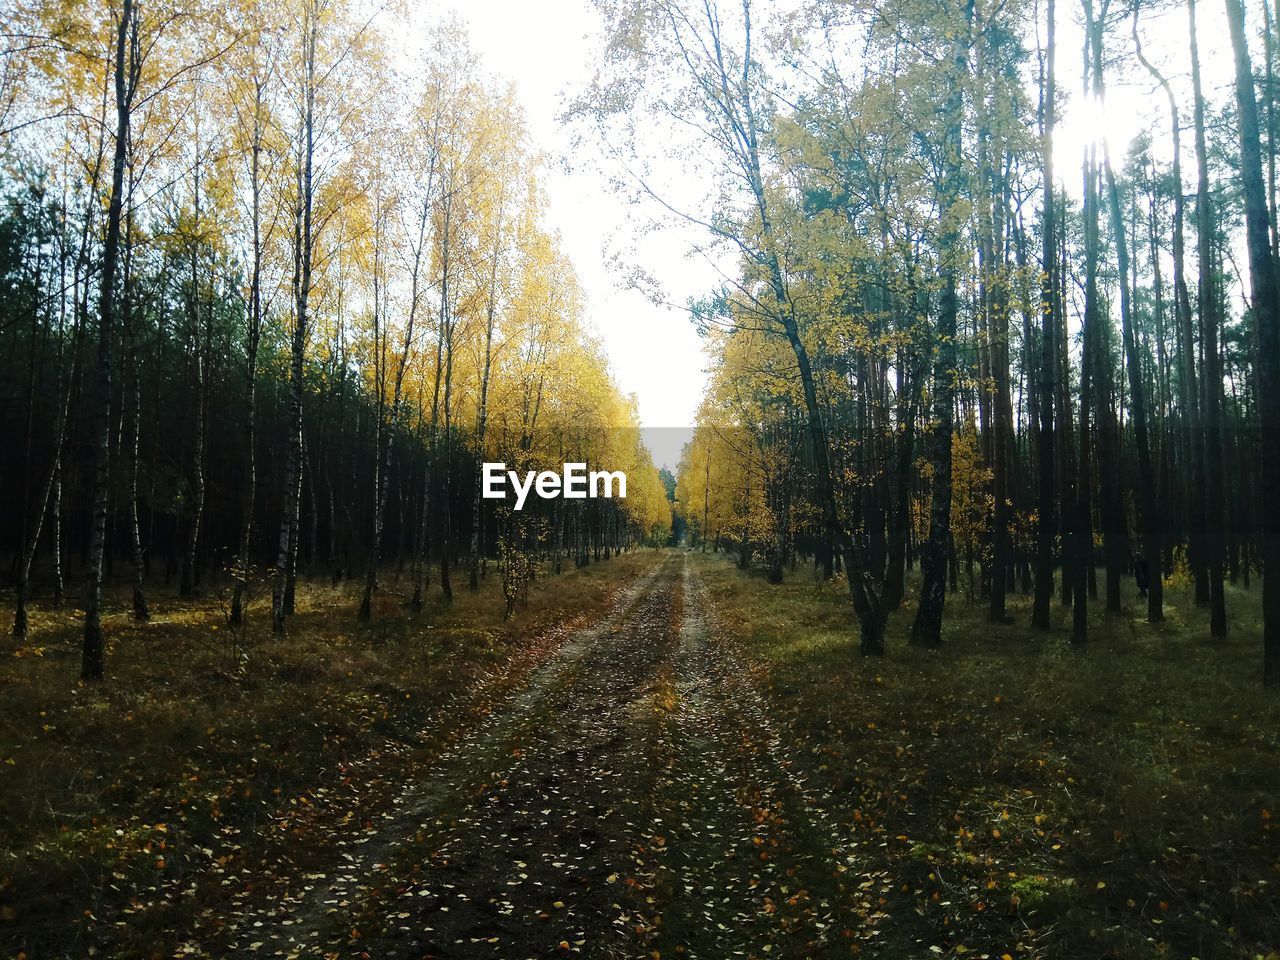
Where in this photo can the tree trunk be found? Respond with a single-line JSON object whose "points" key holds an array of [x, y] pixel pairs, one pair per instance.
{"points": [[927, 627], [253, 341], [92, 665], [1048, 355], [1265, 286], [1214, 522], [482, 415], [1152, 520], [187, 584], [1001, 418], [1111, 508], [895, 573], [141, 612], [286, 556]]}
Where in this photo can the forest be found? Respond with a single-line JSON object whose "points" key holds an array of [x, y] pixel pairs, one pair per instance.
{"points": [[954, 630], [267, 312], [934, 353]]}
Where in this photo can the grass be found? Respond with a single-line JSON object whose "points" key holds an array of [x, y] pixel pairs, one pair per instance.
{"points": [[1024, 797], [122, 804], [1035, 799]]}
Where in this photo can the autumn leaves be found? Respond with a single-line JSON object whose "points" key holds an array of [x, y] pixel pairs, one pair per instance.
{"points": [[287, 272]]}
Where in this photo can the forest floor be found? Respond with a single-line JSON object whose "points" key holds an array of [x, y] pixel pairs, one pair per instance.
{"points": [[1029, 798], [137, 811], [662, 757]]}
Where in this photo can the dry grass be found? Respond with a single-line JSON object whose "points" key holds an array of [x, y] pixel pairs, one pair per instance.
{"points": [[1034, 799], [120, 802]]}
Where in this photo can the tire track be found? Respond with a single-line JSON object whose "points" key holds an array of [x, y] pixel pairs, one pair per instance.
{"points": [[752, 861], [300, 920]]}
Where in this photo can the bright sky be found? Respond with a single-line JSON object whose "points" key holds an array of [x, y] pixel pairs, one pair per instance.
{"points": [[547, 49], [654, 352]]}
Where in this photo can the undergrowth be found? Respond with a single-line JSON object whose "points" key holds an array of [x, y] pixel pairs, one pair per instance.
{"points": [[1036, 799], [122, 803]]}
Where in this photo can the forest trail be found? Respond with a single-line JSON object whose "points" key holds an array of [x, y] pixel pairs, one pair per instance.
{"points": [[633, 800]]}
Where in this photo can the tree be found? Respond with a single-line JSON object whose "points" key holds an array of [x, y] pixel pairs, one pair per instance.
{"points": [[1210, 566], [1050, 308], [926, 629], [1266, 311], [726, 82], [255, 136], [420, 313], [126, 67]]}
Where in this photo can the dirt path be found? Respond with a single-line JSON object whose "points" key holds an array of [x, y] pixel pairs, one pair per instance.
{"points": [[633, 800]]}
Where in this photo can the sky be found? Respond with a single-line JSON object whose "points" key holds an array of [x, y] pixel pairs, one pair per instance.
{"points": [[547, 49]]}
